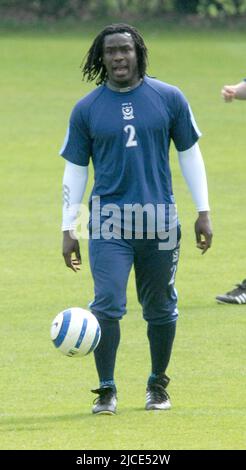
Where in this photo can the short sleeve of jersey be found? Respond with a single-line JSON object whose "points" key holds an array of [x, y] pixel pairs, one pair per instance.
{"points": [[184, 130], [77, 143]]}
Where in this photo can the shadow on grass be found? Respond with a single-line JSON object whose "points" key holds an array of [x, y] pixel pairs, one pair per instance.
{"points": [[36, 422]]}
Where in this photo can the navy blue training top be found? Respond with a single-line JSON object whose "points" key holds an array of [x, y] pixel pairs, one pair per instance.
{"points": [[127, 135]]}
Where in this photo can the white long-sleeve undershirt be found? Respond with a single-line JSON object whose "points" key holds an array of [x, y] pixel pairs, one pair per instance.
{"points": [[74, 185], [193, 170]]}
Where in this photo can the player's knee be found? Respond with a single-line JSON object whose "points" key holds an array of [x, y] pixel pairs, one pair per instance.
{"points": [[108, 305], [160, 316]]}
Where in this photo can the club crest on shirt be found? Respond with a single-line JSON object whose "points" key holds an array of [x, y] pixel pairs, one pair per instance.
{"points": [[127, 111]]}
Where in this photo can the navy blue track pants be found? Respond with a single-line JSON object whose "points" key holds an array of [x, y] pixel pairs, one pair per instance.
{"points": [[111, 261]]}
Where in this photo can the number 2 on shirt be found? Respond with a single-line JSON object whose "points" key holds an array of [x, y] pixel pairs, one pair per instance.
{"points": [[131, 141]]}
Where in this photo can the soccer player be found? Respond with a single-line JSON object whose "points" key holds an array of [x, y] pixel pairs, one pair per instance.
{"points": [[237, 295], [125, 126]]}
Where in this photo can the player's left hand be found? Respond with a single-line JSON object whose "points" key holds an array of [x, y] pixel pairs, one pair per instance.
{"points": [[203, 231]]}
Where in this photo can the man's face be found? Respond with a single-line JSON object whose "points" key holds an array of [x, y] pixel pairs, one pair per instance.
{"points": [[120, 59]]}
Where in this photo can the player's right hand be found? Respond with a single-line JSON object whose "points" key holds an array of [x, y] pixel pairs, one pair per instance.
{"points": [[70, 246]]}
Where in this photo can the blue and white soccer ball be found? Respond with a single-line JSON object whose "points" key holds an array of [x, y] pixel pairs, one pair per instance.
{"points": [[75, 332]]}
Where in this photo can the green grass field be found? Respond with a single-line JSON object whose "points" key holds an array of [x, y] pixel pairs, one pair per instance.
{"points": [[45, 397]]}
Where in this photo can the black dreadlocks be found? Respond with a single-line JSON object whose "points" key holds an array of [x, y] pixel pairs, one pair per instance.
{"points": [[94, 67]]}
